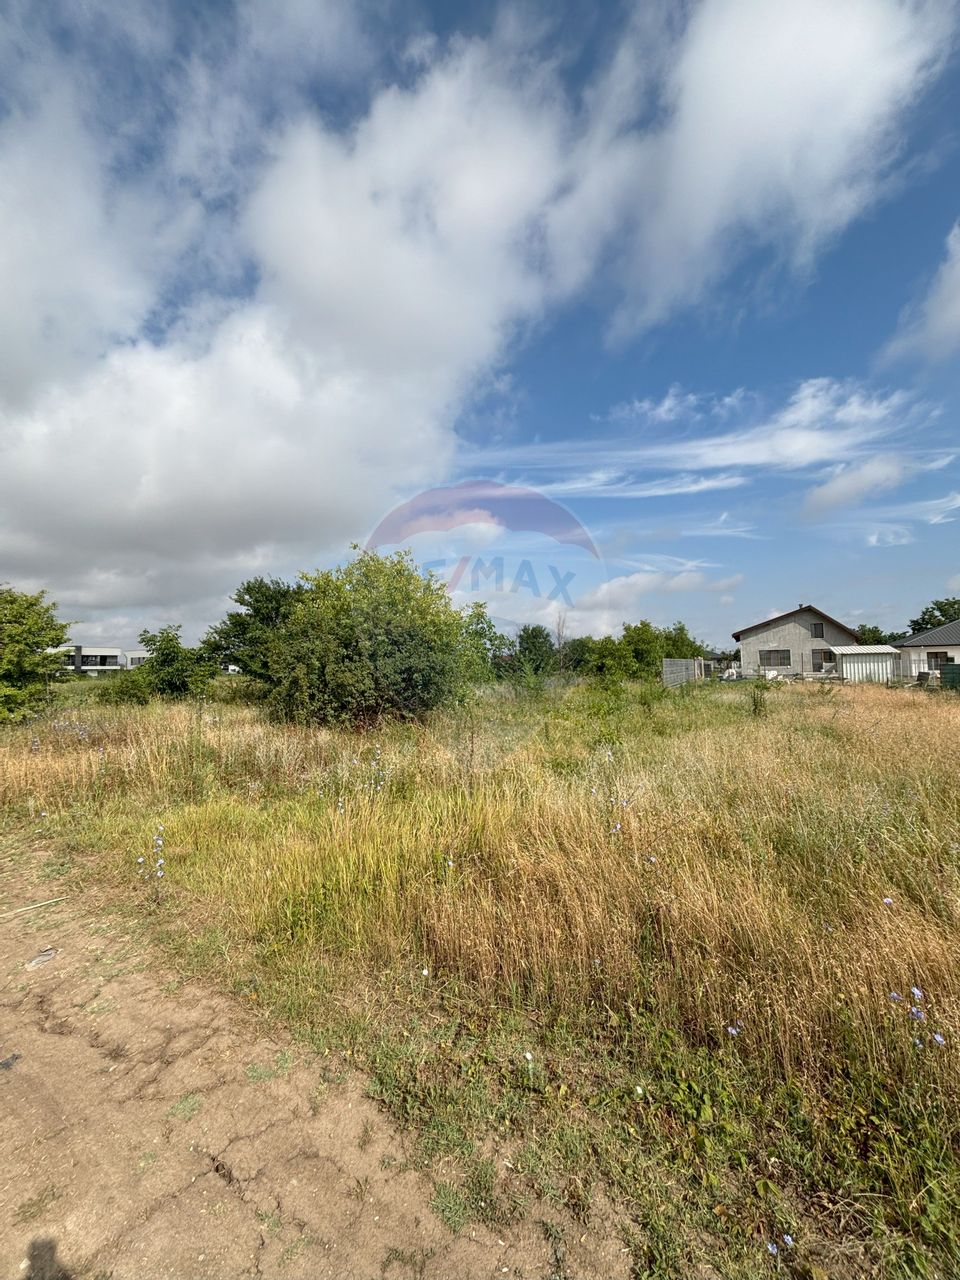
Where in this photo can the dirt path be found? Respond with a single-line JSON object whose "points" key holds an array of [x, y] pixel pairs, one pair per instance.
{"points": [[147, 1130]]}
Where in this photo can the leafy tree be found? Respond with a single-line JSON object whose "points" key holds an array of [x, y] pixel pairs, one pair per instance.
{"points": [[612, 660], [368, 640], [535, 649], [679, 643], [29, 627], [867, 633], [173, 670], [243, 637], [486, 651], [936, 614], [646, 646], [578, 653]]}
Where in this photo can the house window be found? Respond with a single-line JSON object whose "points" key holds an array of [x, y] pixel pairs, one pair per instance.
{"points": [[775, 657], [821, 657], [936, 660], [816, 630]]}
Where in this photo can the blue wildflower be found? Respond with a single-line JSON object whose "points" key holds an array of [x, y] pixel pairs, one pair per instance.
{"points": [[938, 1038]]}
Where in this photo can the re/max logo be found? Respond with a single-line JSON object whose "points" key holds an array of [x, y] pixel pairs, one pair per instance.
{"points": [[491, 574]]}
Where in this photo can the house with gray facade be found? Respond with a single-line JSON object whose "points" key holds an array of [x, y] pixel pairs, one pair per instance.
{"points": [[798, 643]]}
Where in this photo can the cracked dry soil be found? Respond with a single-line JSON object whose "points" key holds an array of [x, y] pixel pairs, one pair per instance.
{"points": [[150, 1130]]}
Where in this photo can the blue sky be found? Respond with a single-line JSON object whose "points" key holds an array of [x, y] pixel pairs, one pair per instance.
{"points": [[692, 271]]}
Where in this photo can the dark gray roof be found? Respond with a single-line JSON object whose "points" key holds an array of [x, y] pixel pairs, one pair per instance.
{"points": [[947, 633]]}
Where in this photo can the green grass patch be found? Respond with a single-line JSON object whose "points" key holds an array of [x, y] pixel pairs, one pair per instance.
{"points": [[600, 946]]}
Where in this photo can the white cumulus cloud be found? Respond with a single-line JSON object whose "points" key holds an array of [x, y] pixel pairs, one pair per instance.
{"points": [[256, 267]]}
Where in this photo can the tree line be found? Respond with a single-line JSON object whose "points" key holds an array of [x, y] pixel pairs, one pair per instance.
{"points": [[369, 640]]}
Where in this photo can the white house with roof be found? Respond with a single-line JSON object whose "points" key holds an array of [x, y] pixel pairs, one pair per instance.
{"points": [[930, 650]]}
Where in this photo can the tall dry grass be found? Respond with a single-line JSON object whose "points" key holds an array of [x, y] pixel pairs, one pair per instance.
{"points": [[576, 858]]}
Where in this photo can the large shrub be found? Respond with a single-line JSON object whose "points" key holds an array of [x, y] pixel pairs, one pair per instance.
{"points": [[243, 637], [369, 640], [29, 628], [173, 670]]}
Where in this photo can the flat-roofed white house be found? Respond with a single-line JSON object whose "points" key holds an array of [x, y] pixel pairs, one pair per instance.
{"points": [[930, 650], [93, 660], [798, 643]]}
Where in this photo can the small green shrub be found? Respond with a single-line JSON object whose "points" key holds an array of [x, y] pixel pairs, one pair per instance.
{"points": [[126, 688], [235, 690]]}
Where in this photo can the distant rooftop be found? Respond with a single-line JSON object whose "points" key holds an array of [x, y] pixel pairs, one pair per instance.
{"points": [[946, 633]]}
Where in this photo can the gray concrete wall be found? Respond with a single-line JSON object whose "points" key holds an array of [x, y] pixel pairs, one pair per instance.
{"points": [[793, 633]]}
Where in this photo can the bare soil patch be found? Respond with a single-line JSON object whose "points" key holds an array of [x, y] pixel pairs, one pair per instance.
{"points": [[151, 1129]]}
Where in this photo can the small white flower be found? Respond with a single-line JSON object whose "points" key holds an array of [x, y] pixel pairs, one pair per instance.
{"points": [[528, 1055], [425, 972]]}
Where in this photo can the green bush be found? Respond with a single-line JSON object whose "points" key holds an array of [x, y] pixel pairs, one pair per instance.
{"points": [[243, 637], [172, 670], [367, 641], [126, 688], [611, 661], [29, 629], [233, 690]]}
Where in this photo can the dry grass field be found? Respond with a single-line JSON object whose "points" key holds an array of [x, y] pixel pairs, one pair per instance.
{"points": [[691, 956]]}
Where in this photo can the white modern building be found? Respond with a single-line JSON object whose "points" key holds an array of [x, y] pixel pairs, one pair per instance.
{"points": [[94, 660], [930, 650]]}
